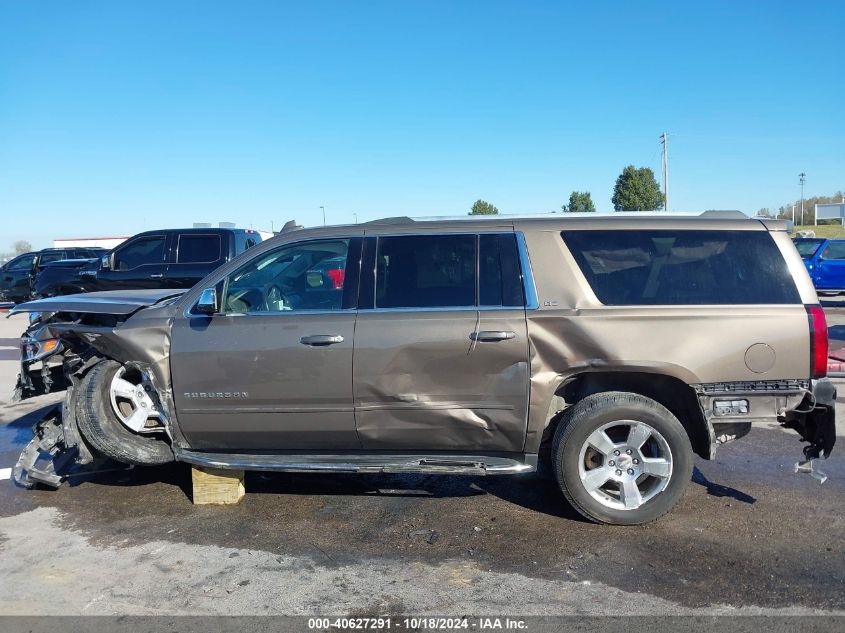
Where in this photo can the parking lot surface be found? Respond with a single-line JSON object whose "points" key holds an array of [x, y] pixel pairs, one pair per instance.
{"points": [[749, 537]]}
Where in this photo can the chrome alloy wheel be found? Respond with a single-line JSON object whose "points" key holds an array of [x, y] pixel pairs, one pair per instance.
{"points": [[624, 464], [132, 404]]}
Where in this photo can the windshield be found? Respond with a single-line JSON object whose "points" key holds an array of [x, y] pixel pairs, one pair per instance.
{"points": [[807, 247]]}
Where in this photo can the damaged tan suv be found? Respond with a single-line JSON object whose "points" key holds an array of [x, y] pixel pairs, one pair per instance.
{"points": [[616, 346]]}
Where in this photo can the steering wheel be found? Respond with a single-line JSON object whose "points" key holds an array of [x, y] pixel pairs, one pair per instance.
{"points": [[275, 299]]}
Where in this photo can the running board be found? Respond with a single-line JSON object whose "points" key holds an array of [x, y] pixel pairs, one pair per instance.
{"points": [[436, 464]]}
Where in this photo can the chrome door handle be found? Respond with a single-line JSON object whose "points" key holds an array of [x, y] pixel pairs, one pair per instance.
{"points": [[157, 276], [490, 336], [321, 340]]}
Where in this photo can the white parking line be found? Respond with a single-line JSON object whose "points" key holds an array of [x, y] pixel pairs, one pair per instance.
{"points": [[5, 473]]}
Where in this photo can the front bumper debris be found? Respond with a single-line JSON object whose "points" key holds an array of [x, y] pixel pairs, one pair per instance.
{"points": [[815, 421], [56, 453]]}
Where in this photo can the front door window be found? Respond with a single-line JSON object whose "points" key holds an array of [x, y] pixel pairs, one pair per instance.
{"points": [[303, 276]]}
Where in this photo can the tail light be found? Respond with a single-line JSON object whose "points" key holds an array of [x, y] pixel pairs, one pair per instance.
{"points": [[818, 342], [336, 275]]}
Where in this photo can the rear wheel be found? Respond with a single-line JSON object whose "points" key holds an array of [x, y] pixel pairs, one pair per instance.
{"points": [[117, 417], [621, 458]]}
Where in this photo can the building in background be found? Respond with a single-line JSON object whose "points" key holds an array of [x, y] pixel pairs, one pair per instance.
{"points": [[89, 242]]}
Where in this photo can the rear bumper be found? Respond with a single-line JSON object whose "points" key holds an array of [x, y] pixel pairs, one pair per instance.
{"points": [[807, 407], [815, 419]]}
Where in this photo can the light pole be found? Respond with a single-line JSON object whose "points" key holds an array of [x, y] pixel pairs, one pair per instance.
{"points": [[323, 209], [355, 215], [802, 177]]}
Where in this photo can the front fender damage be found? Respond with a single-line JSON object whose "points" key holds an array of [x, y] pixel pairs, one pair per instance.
{"points": [[58, 450]]}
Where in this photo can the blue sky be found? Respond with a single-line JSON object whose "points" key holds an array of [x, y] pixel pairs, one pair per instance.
{"points": [[117, 117]]}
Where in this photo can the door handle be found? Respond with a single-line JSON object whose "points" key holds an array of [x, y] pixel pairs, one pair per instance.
{"points": [[490, 336], [321, 340], [157, 276]]}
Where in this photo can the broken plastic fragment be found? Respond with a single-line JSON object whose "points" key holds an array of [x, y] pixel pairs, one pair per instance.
{"points": [[809, 467]]}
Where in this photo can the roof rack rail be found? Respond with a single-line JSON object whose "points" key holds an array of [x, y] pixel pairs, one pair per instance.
{"points": [[724, 215], [400, 219]]}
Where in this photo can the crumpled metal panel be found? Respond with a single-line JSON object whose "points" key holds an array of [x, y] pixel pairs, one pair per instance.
{"points": [[423, 383], [117, 302]]}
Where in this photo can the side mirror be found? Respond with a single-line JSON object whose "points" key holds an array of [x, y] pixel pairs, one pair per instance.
{"points": [[105, 262], [207, 303]]}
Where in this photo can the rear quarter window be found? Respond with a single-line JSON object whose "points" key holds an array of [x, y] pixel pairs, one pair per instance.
{"points": [[682, 267]]}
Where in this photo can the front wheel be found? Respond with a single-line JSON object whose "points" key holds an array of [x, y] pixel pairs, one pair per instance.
{"points": [[115, 415], [621, 458]]}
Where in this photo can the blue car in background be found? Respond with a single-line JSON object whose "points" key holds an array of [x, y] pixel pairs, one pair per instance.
{"points": [[825, 261]]}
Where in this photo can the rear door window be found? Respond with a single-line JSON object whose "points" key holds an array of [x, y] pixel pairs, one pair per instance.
{"points": [[683, 267], [425, 271], [198, 249], [52, 257], [499, 280]]}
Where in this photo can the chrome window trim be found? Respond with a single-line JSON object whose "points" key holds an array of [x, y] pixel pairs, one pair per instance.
{"points": [[529, 289], [443, 309], [187, 313], [421, 232], [531, 302]]}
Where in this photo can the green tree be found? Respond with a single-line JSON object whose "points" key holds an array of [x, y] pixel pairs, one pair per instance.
{"points": [[785, 212], [637, 190], [579, 202], [482, 207]]}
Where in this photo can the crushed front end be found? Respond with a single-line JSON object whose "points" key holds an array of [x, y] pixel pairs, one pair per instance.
{"points": [[69, 336]]}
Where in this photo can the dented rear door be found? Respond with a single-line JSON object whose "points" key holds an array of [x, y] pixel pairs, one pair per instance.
{"points": [[432, 369]]}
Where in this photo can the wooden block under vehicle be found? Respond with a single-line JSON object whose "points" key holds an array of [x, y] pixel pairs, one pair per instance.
{"points": [[217, 486]]}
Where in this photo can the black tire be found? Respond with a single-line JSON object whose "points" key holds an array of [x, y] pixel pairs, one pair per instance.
{"points": [[104, 431], [595, 411]]}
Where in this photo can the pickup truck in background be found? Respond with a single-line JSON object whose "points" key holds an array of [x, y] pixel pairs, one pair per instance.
{"points": [[17, 275], [168, 258], [825, 261]]}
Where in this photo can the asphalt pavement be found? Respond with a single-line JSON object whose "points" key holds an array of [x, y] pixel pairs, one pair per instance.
{"points": [[749, 537]]}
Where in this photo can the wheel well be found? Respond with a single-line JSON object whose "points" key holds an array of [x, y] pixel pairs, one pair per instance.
{"points": [[672, 393]]}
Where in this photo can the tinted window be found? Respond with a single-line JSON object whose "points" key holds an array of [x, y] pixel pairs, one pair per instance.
{"points": [[425, 271], [499, 282], [21, 263], [303, 276], [682, 267], [148, 250], [807, 247], [834, 250], [196, 249], [52, 257]]}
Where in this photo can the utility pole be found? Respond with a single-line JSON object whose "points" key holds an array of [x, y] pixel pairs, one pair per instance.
{"points": [[664, 141], [802, 177], [323, 209], [355, 215]]}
